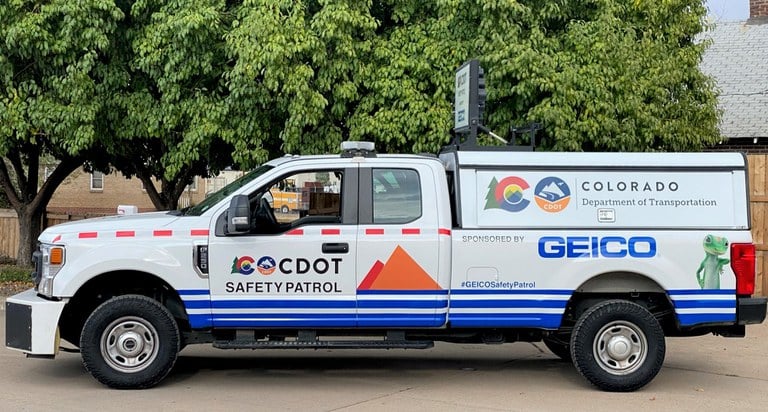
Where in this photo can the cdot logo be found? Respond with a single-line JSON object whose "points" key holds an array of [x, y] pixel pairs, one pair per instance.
{"points": [[508, 194], [243, 265], [266, 265], [552, 194]]}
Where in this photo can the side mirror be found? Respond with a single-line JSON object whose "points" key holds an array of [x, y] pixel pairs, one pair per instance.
{"points": [[238, 216]]}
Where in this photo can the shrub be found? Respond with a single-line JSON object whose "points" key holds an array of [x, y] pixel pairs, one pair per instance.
{"points": [[13, 273]]}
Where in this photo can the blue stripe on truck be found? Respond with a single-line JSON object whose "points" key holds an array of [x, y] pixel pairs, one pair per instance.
{"points": [[516, 320], [692, 307], [699, 306]]}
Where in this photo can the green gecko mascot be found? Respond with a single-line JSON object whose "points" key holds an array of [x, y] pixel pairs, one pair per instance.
{"points": [[711, 267]]}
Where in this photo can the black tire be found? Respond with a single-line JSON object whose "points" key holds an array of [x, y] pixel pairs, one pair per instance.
{"points": [[560, 346], [618, 346], [284, 209], [130, 342]]}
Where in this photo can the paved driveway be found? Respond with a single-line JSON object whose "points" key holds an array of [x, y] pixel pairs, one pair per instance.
{"points": [[703, 373]]}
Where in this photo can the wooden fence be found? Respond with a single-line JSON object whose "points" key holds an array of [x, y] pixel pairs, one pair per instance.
{"points": [[9, 233], [9, 228], [758, 196], [758, 182]]}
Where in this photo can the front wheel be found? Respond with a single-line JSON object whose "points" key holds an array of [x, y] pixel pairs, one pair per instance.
{"points": [[130, 342], [618, 346]]}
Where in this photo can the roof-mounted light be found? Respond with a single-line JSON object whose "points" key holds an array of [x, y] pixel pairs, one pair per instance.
{"points": [[358, 149]]}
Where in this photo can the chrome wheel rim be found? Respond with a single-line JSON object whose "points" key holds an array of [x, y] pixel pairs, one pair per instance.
{"points": [[129, 344], [620, 348]]}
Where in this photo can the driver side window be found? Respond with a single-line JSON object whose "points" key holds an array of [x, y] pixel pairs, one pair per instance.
{"points": [[297, 199]]}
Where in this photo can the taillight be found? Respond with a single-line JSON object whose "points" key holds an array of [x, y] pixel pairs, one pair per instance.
{"points": [[743, 265]]}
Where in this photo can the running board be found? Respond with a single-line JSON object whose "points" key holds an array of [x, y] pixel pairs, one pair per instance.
{"points": [[323, 344], [307, 339]]}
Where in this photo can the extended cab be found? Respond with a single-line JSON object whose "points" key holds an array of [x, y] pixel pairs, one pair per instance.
{"points": [[598, 255]]}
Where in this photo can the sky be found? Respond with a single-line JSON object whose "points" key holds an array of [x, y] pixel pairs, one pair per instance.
{"points": [[728, 10]]}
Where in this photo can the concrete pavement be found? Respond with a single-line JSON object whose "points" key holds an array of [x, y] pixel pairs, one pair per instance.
{"points": [[702, 373]]}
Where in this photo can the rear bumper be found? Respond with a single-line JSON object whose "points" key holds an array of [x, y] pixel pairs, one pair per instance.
{"points": [[31, 323], [751, 311]]}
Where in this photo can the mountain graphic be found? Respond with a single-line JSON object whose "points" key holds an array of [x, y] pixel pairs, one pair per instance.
{"points": [[551, 192], [400, 272]]}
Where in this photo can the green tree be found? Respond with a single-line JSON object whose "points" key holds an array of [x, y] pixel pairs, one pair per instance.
{"points": [[162, 120], [50, 83], [310, 74], [603, 75], [171, 89], [600, 75]]}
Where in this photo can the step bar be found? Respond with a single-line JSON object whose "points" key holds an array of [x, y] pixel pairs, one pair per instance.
{"points": [[309, 340]]}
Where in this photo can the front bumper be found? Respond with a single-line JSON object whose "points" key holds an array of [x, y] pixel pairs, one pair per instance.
{"points": [[751, 310], [31, 323]]}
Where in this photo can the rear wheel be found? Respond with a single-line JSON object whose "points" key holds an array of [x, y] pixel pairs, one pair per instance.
{"points": [[130, 342], [618, 346]]}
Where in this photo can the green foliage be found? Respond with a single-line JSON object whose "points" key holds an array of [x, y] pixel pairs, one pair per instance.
{"points": [[48, 56], [294, 80], [601, 75], [164, 112], [170, 89], [13, 273], [51, 88], [173, 89]]}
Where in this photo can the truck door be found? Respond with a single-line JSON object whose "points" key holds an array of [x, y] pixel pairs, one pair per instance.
{"points": [[398, 251], [295, 268]]}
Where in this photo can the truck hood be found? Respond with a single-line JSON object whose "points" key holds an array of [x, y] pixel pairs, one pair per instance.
{"points": [[108, 226]]}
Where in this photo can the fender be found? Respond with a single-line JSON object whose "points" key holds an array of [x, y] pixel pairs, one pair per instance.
{"points": [[166, 260], [575, 275]]}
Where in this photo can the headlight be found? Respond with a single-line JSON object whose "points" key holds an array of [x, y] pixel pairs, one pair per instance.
{"points": [[53, 258]]}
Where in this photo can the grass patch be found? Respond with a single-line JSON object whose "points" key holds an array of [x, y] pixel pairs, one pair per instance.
{"points": [[13, 273]]}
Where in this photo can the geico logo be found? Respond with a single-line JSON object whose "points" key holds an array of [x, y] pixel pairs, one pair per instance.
{"points": [[594, 247], [301, 266]]}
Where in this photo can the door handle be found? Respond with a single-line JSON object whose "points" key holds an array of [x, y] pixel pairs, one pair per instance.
{"points": [[335, 247]]}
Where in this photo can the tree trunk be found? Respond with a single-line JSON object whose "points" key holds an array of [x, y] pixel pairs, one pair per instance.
{"points": [[30, 226], [26, 199], [168, 197]]}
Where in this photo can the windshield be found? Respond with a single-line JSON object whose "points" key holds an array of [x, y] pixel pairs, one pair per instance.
{"points": [[225, 191]]}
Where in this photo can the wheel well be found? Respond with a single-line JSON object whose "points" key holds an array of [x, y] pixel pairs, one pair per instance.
{"points": [[108, 285], [618, 282], [629, 286]]}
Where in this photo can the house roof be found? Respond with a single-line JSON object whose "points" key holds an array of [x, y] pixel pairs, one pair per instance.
{"points": [[738, 60]]}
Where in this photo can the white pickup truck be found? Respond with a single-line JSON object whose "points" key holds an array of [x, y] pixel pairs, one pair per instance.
{"points": [[598, 255]]}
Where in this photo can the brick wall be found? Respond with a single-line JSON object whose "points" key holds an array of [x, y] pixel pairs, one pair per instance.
{"points": [[758, 8], [75, 195], [744, 148]]}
